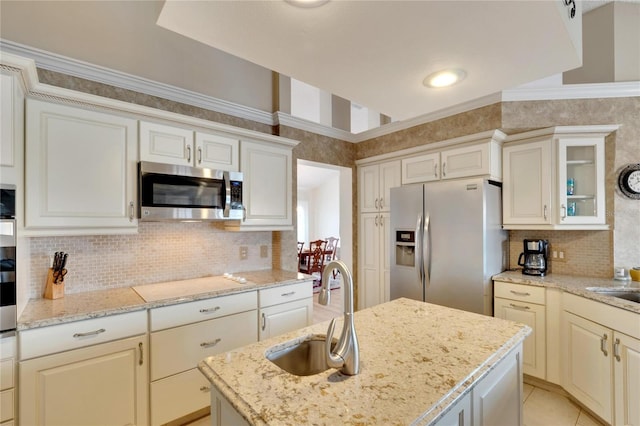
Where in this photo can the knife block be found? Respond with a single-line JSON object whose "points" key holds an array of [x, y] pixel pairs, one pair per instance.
{"points": [[53, 290]]}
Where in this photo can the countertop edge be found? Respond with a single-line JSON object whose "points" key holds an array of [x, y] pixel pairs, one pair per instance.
{"points": [[137, 303], [568, 283]]}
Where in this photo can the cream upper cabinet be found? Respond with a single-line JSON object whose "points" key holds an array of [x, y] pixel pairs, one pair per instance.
{"points": [[526, 187], [81, 171], [421, 168], [375, 183], [474, 155], [161, 143], [554, 179], [267, 187], [11, 130]]}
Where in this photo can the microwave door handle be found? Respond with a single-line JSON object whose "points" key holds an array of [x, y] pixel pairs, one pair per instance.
{"points": [[227, 194]]}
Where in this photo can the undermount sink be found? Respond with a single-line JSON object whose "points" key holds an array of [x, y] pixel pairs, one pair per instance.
{"points": [[302, 357], [628, 294]]}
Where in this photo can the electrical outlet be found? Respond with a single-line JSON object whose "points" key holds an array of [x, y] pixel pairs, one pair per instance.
{"points": [[264, 251], [244, 252], [562, 256]]}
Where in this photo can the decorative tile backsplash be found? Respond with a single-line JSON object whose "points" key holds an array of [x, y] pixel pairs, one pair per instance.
{"points": [[161, 251]]}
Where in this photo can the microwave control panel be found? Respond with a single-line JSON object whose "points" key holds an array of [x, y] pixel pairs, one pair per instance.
{"points": [[236, 194]]}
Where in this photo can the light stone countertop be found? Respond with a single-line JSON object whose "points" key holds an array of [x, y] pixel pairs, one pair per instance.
{"points": [[577, 286], [94, 304], [416, 360]]}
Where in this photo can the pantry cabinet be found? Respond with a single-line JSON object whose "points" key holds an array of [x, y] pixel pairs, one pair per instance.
{"points": [[554, 178], [267, 191], [80, 171], [525, 305], [374, 259], [161, 143], [284, 309], [181, 336], [374, 185], [105, 377]]}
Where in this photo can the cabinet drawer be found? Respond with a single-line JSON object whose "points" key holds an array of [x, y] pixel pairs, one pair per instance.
{"points": [[181, 348], [7, 404], [285, 293], [186, 313], [179, 395], [64, 337], [7, 369], [525, 293]]}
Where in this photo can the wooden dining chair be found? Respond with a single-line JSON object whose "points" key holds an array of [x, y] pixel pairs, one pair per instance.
{"points": [[315, 263], [300, 248], [332, 246]]}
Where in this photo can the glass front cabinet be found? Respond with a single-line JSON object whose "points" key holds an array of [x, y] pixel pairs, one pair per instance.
{"points": [[581, 180]]}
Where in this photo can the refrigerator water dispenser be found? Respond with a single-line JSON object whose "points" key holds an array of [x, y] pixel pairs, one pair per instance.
{"points": [[405, 248]]}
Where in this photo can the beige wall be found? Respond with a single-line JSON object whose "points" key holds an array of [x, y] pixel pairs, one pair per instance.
{"points": [[123, 35]]}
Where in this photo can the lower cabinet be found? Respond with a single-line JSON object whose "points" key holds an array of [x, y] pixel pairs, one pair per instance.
{"points": [[626, 372], [497, 398], [223, 413], [459, 414], [601, 360], [284, 309], [106, 382], [7, 380], [182, 335], [525, 304]]}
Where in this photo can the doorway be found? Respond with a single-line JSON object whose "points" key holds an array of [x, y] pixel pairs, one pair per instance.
{"points": [[324, 206]]}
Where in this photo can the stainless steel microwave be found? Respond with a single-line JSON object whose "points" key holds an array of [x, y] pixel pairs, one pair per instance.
{"points": [[171, 192]]}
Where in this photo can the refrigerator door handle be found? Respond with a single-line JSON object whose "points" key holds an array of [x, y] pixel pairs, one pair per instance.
{"points": [[426, 262], [418, 249]]}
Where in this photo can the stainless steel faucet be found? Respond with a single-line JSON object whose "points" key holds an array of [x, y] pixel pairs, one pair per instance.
{"points": [[346, 354]]}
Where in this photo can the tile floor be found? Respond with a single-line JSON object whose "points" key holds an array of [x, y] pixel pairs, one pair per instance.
{"points": [[546, 408]]}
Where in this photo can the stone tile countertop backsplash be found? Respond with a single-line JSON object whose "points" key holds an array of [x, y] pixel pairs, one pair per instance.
{"points": [[94, 304], [578, 286]]}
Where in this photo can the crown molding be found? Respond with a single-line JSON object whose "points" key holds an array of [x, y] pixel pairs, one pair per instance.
{"points": [[19, 57], [76, 68]]}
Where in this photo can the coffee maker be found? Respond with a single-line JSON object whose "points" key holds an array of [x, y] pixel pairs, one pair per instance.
{"points": [[535, 257]]}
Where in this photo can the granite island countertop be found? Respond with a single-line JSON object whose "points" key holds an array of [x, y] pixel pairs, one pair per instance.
{"points": [[416, 360], [578, 286], [95, 304]]}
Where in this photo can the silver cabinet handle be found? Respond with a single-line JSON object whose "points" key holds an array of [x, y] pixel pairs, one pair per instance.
{"points": [[563, 208], [603, 344], [188, 153], [199, 155], [376, 204], [205, 389], [616, 350], [381, 220], [376, 220], [544, 212], [381, 202], [291, 293], [130, 211], [141, 359], [209, 310], [435, 170], [520, 293], [444, 169], [211, 343], [264, 322], [513, 305], [89, 333], [244, 213]]}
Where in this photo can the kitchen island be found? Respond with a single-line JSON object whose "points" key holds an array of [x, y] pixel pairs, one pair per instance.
{"points": [[420, 363]]}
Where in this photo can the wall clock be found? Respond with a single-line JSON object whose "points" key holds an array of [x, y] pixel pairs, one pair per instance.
{"points": [[629, 181]]}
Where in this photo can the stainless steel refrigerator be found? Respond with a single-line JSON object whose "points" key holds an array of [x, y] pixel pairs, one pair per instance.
{"points": [[447, 241]]}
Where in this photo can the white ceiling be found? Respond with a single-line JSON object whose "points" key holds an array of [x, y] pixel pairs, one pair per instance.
{"points": [[377, 53]]}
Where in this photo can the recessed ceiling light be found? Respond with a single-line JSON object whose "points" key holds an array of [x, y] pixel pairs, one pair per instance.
{"points": [[307, 3], [444, 78]]}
